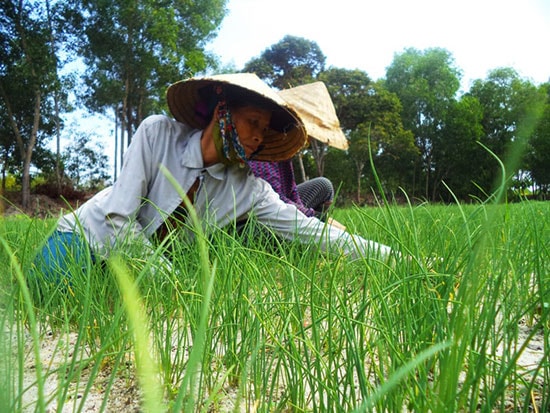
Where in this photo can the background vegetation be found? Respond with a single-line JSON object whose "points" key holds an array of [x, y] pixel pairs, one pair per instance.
{"points": [[425, 133], [463, 325]]}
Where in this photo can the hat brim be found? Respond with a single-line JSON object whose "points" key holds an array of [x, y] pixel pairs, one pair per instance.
{"points": [[314, 106], [287, 134]]}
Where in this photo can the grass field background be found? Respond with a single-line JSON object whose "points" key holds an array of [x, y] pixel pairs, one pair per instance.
{"points": [[460, 322]]}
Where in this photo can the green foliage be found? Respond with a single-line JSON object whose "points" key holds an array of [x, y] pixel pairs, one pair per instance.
{"points": [[85, 163], [290, 62], [538, 157], [133, 50], [457, 156], [10, 183], [446, 329], [371, 115], [338, 167], [507, 102], [28, 80], [426, 83], [348, 90]]}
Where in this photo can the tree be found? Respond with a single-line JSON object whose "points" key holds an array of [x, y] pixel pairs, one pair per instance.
{"points": [[28, 78], [56, 94], [340, 169], [393, 148], [290, 62], [370, 113], [134, 50], [85, 164], [8, 151], [507, 101], [349, 90], [538, 157], [426, 83], [359, 150], [456, 157]]}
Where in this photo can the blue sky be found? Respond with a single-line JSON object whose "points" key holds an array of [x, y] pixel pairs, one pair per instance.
{"points": [[365, 34]]}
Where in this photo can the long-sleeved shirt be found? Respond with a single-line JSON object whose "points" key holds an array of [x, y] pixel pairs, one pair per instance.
{"points": [[280, 175], [143, 197]]}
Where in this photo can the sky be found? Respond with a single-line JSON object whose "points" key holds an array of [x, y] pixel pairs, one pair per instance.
{"points": [[481, 35]]}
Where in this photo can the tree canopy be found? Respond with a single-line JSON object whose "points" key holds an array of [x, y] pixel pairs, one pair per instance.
{"points": [[425, 137], [538, 154], [290, 62], [131, 51], [134, 50], [28, 78], [426, 83]]}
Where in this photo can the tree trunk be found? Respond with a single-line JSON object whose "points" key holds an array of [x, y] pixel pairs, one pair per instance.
{"points": [[319, 152], [4, 175], [116, 145], [26, 154], [58, 175], [56, 108], [359, 172], [26, 151], [122, 130], [129, 125], [26, 185], [302, 169]]}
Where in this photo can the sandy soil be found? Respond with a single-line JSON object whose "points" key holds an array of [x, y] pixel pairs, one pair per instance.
{"points": [[54, 350], [41, 206], [124, 395]]}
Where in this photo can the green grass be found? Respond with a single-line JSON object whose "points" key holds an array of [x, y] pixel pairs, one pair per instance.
{"points": [[239, 328]]}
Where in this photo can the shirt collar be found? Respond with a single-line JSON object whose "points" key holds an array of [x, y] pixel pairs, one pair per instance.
{"points": [[192, 157], [217, 171]]}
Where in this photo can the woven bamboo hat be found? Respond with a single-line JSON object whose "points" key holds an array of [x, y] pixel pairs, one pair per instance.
{"points": [[314, 105], [192, 101]]}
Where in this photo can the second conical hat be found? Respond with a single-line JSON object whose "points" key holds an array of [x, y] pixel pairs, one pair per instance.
{"points": [[314, 106]]}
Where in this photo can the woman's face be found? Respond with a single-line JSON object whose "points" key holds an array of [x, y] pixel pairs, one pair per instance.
{"points": [[251, 123]]}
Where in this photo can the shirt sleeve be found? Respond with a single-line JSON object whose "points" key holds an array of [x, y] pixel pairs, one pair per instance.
{"points": [[288, 222], [142, 196], [112, 217], [120, 208]]}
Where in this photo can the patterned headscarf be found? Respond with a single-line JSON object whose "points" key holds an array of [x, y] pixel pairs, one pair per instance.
{"points": [[232, 148], [226, 138]]}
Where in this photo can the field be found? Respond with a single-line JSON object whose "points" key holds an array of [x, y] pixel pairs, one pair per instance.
{"points": [[458, 322]]}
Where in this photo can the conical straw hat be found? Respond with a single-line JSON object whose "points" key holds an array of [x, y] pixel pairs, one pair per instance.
{"points": [[188, 98], [314, 105]]}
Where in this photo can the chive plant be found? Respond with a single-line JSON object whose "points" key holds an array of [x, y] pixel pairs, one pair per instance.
{"points": [[255, 324]]}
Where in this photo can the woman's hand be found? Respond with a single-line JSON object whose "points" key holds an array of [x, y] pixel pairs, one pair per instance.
{"points": [[334, 223]]}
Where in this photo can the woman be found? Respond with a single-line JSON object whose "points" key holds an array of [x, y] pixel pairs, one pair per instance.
{"points": [[314, 105], [312, 197], [221, 122]]}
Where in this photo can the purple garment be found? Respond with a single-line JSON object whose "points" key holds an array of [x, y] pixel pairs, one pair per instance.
{"points": [[280, 175]]}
